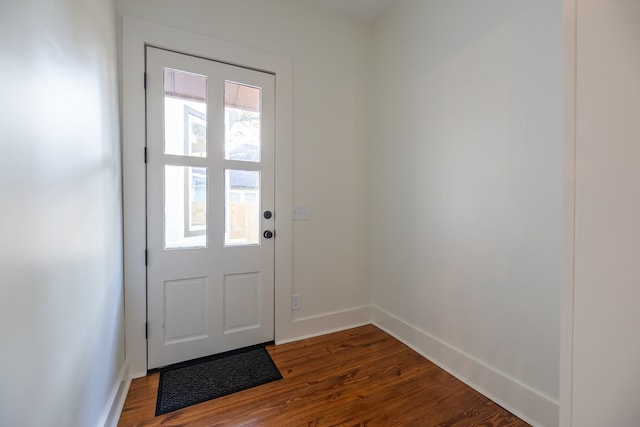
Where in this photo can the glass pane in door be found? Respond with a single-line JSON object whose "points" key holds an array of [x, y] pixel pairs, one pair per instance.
{"points": [[242, 207], [185, 207], [185, 113], [242, 122]]}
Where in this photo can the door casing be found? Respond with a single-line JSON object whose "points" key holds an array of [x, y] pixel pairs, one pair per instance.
{"points": [[136, 35]]}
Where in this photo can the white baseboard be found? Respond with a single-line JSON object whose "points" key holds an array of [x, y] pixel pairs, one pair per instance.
{"points": [[313, 326], [116, 402], [523, 401]]}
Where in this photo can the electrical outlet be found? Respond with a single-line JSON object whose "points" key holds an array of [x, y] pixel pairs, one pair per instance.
{"points": [[296, 301]]}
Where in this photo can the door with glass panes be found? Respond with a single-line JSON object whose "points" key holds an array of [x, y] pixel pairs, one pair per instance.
{"points": [[210, 198]]}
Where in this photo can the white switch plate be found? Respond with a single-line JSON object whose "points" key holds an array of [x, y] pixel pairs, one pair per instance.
{"points": [[301, 212]]}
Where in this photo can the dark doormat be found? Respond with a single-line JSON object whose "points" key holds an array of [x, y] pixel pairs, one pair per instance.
{"points": [[199, 380]]}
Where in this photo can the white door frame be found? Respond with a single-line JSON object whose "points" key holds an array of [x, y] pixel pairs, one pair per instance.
{"points": [[136, 34]]}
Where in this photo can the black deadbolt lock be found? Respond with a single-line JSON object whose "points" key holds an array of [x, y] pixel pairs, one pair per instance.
{"points": [[268, 214]]}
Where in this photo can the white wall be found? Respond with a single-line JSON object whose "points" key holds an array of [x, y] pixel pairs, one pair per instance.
{"points": [[330, 55], [62, 345], [467, 182], [606, 347]]}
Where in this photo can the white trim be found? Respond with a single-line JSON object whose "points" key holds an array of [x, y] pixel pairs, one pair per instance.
{"points": [[136, 34], [532, 406], [313, 326], [113, 409], [568, 285]]}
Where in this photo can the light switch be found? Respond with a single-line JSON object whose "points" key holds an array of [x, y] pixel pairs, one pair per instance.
{"points": [[301, 212]]}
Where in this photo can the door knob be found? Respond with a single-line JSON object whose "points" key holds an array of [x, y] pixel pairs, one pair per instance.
{"points": [[268, 234]]}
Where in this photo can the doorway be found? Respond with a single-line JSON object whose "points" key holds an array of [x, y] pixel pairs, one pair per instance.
{"points": [[137, 34]]}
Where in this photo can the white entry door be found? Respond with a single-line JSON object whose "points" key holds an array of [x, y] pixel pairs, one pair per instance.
{"points": [[210, 199]]}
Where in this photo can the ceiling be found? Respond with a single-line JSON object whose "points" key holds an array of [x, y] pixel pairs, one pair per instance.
{"points": [[367, 11]]}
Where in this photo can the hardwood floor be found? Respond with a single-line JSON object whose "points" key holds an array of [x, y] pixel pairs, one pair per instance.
{"points": [[358, 377]]}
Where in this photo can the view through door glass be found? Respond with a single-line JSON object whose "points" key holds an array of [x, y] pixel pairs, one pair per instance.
{"points": [[185, 134], [242, 143]]}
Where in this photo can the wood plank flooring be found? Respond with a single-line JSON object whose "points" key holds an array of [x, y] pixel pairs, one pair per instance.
{"points": [[358, 377]]}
